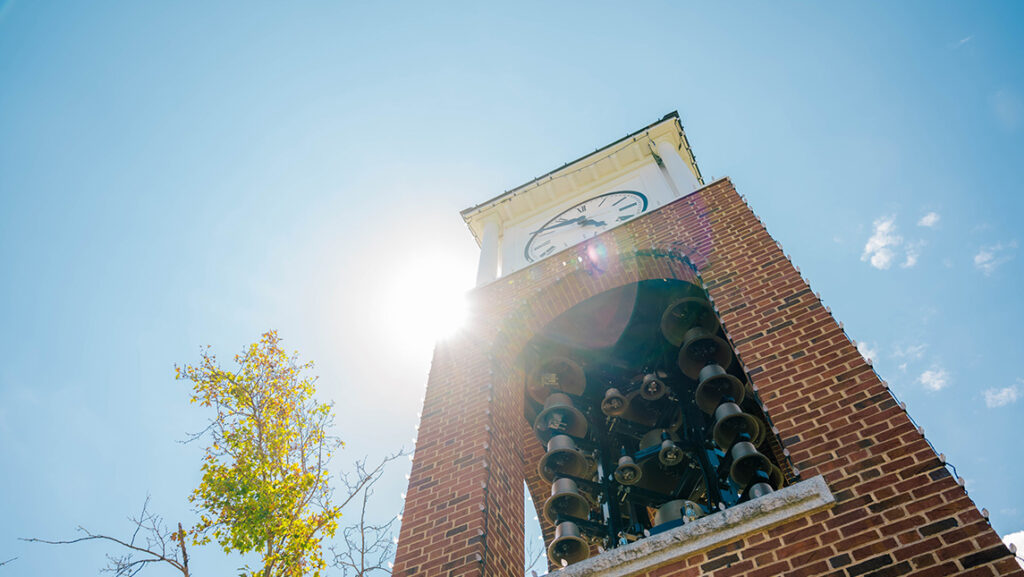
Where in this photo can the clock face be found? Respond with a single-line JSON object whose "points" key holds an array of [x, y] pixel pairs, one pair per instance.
{"points": [[583, 221]]}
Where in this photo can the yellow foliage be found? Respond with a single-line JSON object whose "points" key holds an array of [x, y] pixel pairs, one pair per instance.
{"points": [[264, 484]]}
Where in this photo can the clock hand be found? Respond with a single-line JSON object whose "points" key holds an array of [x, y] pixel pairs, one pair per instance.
{"points": [[591, 222], [563, 223]]}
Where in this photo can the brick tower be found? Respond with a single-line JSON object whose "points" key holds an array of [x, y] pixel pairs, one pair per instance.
{"points": [[676, 398]]}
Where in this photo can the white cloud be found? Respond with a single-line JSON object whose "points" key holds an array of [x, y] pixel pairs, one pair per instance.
{"points": [[934, 379], [913, 252], [867, 351], [929, 220], [886, 246], [991, 257], [913, 352], [962, 41], [1001, 397], [880, 249], [1018, 540]]}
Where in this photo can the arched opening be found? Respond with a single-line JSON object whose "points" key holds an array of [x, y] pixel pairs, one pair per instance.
{"points": [[648, 420]]}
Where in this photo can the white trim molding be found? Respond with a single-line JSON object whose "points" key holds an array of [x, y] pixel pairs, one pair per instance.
{"points": [[714, 530]]}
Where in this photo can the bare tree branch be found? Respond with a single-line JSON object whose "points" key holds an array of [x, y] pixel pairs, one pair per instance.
{"points": [[159, 545], [367, 547], [534, 553]]}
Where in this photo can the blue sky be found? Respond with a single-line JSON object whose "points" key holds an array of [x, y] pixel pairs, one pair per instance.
{"points": [[180, 174]]}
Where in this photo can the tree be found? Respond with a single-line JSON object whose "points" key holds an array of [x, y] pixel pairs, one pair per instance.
{"points": [[265, 485], [265, 481]]}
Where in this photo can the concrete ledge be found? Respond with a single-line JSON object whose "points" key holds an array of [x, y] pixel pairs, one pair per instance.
{"points": [[784, 505]]}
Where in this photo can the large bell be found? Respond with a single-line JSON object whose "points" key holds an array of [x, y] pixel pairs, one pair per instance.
{"points": [[563, 457], [676, 510], [763, 488], [715, 386], [556, 374], [746, 462], [568, 547], [684, 314], [702, 348], [628, 472], [643, 412], [613, 404], [653, 387], [669, 454], [731, 421], [560, 416], [566, 499]]}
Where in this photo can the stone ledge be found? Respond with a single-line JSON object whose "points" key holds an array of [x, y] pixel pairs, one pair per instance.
{"points": [[784, 505]]}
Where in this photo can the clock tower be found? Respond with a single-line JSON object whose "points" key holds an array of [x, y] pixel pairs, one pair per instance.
{"points": [[643, 356]]}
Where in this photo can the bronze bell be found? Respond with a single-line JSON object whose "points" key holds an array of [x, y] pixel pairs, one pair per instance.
{"points": [[566, 499], [641, 411], [676, 510], [652, 387], [560, 416], [746, 462], [684, 314], [759, 490], [716, 385], [556, 374], [628, 472], [763, 488], [702, 348], [670, 454], [568, 546], [613, 404], [563, 457], [731, 421]]}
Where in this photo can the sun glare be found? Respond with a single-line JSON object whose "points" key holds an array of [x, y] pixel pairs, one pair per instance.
{"points": [[427, 299]]}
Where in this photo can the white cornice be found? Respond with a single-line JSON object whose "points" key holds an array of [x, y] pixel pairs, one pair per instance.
{"points": [[580, 176]]}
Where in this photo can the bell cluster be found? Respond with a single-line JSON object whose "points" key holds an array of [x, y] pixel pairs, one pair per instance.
{"points": [[634, 450]]}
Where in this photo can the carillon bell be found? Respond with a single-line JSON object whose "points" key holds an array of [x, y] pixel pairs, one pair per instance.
{"points": [[643, 412], [678, 509], [669, 454], [731, 421], [701, 348], [563, 457], [567, 545], [684, 314], [556, 374], [746, 462], [560, 416], [628, 472], [773, 482], [652, 387], [566, 499], [613, 404], [715, 386]]}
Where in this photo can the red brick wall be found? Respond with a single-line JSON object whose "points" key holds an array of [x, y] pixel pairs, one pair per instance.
{"points": [[899, 511]]}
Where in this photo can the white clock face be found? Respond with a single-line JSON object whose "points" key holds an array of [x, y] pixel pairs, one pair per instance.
{"points": [[583, 221]]}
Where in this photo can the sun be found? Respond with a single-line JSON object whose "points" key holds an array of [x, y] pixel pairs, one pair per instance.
{"points": [[425, 300]]}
